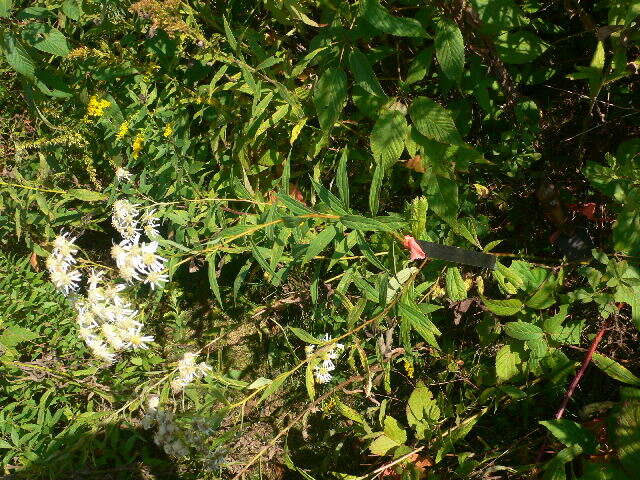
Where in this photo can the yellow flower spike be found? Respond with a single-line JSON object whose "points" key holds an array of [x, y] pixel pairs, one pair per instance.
{"points": [[408, 367], [123, 130], [137, 145], [168, 131], [95, 107]]}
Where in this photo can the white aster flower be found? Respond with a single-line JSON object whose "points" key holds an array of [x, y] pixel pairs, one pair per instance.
{"points": [[123, 174], [155, 279], [322, 375], [66, 282], [135, 338], [64, 247]]}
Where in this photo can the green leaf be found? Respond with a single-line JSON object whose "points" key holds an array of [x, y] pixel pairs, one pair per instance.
{"points": [[342, 178], [503, 307], [213, 277], [319, 243], [351, 414], [85, 195], [454, 284], [381, 19], [615, 370], [422, 410], [571, 433], [442, 194], [449, 46], [626, 437], [382, 444], [5, 10], [375, 187], [393, 430], [387, 137], [15, 334], [420, 322], [364, 224], [419, 68], [229, 34], [363, 73], [555, 468], [433, 121], [305, 336], [507, 362], [309, 379], [17, 56], [523, 330], [519, 47], [72, 9], [51, 40], [329, 96]]}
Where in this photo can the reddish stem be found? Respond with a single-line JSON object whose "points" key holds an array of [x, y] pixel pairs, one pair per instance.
{"points": [[574, 383], [583, 367]]}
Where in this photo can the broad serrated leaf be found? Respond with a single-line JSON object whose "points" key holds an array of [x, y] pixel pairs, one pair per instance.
{"points": [[507, 362], [523, 330], [72, 9], [615, 370], [15, 334], [363, 73], [5, 8], [51, 40], [454, 284], [393, 430], [442, 194], [387, 137], [17, 56], [449, 46], [381, 445], [571, 433], [626, 437], [519, 47], [422, 410], [503, 307], [329, 96], [419, 68], [433, 121], [381, 19]]}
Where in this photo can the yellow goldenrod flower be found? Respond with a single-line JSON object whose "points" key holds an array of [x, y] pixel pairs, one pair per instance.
{"points": [[96, 107], [408, 367], [137, 145], [168, 131], [123, 130]]}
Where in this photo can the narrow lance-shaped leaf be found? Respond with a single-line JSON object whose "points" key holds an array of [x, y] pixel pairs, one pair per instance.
{"points": [[342, 179]]}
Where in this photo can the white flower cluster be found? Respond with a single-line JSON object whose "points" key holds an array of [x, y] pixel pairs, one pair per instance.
{"points": [[59, 264], [107, 322], [137, 260], [167, 435], [189, 370], [324, 367]]}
